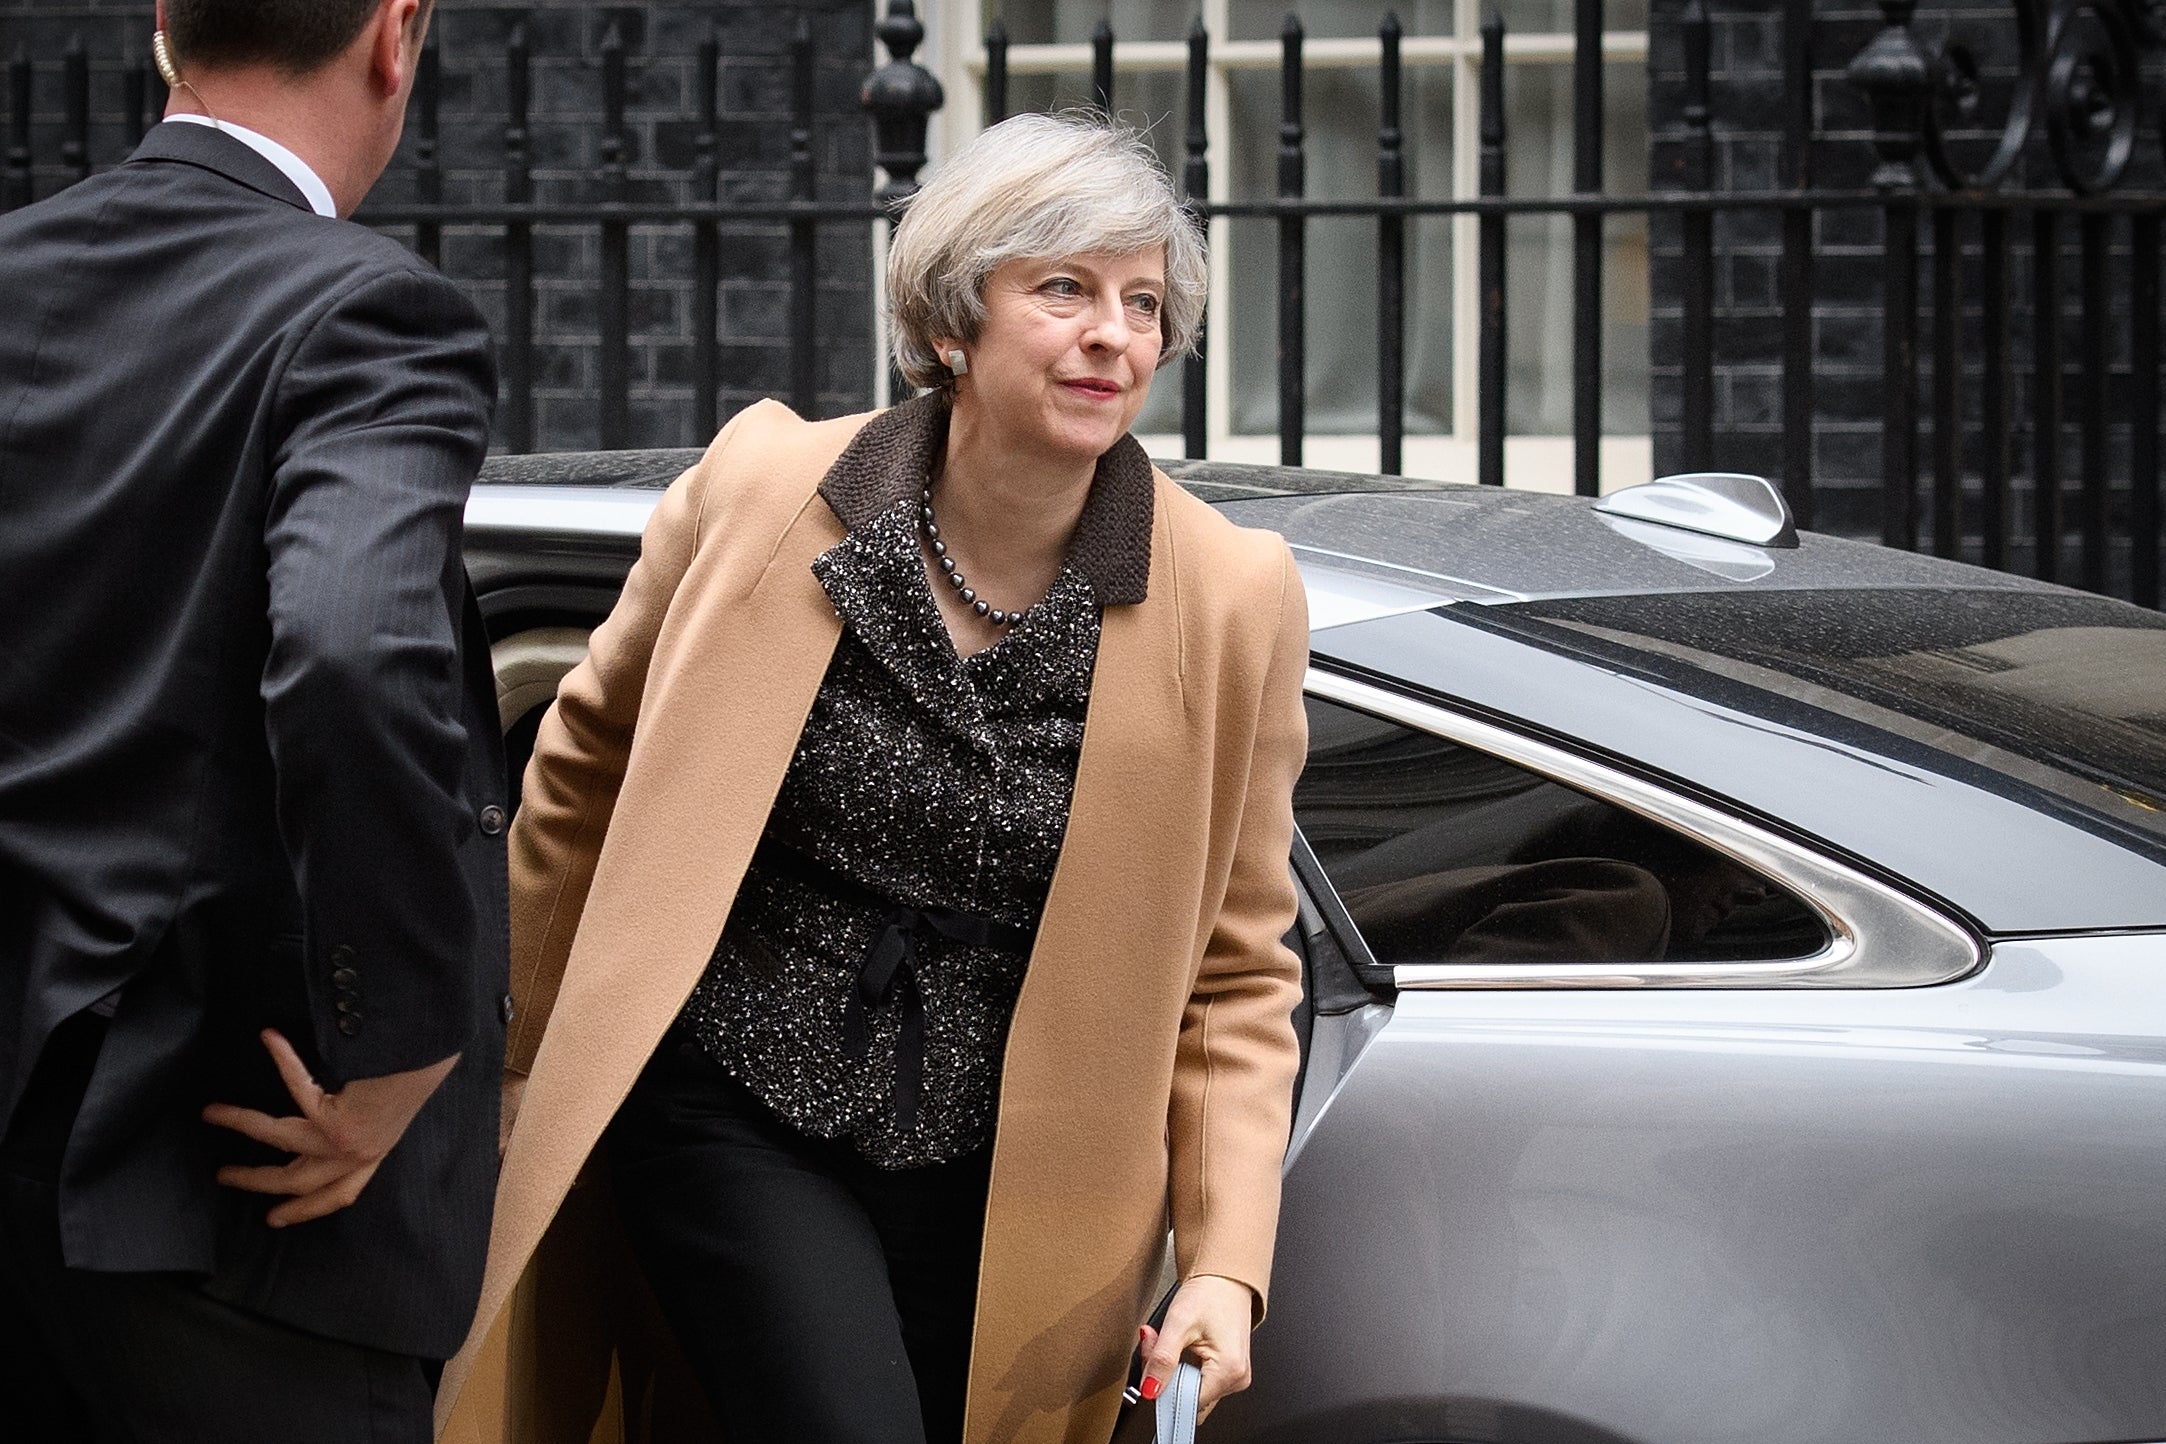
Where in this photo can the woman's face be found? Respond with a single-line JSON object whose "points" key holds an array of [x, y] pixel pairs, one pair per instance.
{"points": [[1065, 358]]}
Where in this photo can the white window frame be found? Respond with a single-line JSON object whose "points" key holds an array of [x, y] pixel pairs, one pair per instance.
{"points": [[954, 51]]}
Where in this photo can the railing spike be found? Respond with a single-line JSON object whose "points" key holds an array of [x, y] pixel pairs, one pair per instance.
{"points": [[901, 96], [1895, 76]]}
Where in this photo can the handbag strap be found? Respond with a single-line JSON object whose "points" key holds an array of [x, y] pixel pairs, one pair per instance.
{"points": [[1177, 1405]]}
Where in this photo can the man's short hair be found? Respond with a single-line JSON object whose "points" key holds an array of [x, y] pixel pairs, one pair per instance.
{"points": [[298, 36]]}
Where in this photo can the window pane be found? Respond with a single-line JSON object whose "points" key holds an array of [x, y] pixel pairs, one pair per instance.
{"points": [[1154, 102], [1538, 292], [1264, 19], [1070, 22], [1523, 17], [1443, 854], [1341, 109]]}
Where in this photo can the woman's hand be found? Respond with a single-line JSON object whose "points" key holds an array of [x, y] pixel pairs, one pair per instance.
{"points": [[1209, 1320]]}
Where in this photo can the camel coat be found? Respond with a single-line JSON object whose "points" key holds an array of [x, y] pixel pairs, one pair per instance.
{"points": [[1149, 1067]]}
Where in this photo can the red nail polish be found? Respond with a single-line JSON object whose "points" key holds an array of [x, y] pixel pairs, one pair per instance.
{"points": [[1150, 1387]]}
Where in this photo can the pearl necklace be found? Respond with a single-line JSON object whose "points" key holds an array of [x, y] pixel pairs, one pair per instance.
{"points": [[976, 603]]}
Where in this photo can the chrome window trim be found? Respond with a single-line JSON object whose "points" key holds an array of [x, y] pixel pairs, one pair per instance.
{"points": [[559, 511], [612, 516], [1879, 937]]}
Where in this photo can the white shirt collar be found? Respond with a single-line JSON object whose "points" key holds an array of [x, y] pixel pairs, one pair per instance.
{"points": [[294, 168]]}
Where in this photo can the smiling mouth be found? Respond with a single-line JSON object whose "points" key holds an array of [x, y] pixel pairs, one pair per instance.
{"points": [[1099, 390]]}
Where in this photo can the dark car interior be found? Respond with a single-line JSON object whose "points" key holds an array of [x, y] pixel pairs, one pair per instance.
{"points": [[1444, 854]]}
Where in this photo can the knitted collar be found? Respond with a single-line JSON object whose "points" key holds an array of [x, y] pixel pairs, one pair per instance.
{"points": [[893, 454]]}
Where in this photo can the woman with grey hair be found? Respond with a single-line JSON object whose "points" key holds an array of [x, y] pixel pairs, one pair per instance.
{"points": [[899, 885]]}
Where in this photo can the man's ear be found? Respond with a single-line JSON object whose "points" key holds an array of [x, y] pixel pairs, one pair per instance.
{"points": [[395, 37]]}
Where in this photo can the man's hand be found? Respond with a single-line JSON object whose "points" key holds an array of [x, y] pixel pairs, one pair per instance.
{"points": [[338, 1140], [1208, 1320]]}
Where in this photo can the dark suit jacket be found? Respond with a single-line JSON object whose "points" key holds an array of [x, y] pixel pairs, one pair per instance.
{"points": [[250, 771]]}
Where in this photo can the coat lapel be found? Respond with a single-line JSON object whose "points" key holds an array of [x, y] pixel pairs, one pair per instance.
{"points": [[875, 578], [720, 724], [1080, 1077]]}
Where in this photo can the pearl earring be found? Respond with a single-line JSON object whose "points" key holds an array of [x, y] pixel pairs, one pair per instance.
{"points": [[958, 362]]}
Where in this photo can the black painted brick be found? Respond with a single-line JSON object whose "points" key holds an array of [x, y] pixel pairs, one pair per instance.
{"points": [[661, 141], [1849, 391], [661, 39], [1752, 398]]}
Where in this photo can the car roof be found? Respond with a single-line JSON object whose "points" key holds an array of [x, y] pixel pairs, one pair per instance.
{"points": [[1398, 574], [1372, 544], [1640, 640], [1487, 545]]}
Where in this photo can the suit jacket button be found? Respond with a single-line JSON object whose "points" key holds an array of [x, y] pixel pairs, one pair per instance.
{"points": [[492, 819], [344, 977], [504, 1009], [349, 1024], [341, 956]]}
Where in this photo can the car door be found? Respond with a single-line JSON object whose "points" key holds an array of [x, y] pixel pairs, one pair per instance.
{"points": [[1628, 1119]]}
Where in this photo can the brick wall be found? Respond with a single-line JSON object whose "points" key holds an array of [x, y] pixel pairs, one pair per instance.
{"points": [[1849, 262], [565, 38], [662, 38], [111, 35]]}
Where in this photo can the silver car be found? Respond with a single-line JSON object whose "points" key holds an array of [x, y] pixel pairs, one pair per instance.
{"points": [[1736, 963]]}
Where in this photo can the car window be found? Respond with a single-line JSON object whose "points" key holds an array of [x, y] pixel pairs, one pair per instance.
{"points": [[1446, 854], [2054, 695]]}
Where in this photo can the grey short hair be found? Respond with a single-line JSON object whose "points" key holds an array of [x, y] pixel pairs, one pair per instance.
{"points": [[1035, 187]]}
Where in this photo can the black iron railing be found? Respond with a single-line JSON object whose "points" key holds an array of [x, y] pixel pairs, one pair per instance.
{"points": [[1997, 405], [890, 94]]}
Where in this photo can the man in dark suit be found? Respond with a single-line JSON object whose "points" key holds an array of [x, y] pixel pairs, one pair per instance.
{"points": [[252, 938]]}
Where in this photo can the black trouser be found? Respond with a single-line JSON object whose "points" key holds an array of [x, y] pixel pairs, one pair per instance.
{"points": [[820, 1300], [125, 1357]]}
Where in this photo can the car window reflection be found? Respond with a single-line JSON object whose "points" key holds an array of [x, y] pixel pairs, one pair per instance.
{"points": [[2053, 696], [1445, 854]]}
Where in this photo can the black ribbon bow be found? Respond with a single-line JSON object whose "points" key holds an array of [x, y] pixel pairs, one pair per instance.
{"points": [[888, 977]]}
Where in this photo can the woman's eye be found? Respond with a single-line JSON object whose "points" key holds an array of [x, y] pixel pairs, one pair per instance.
{"points": [[1063, 286], [1145, 302]]}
